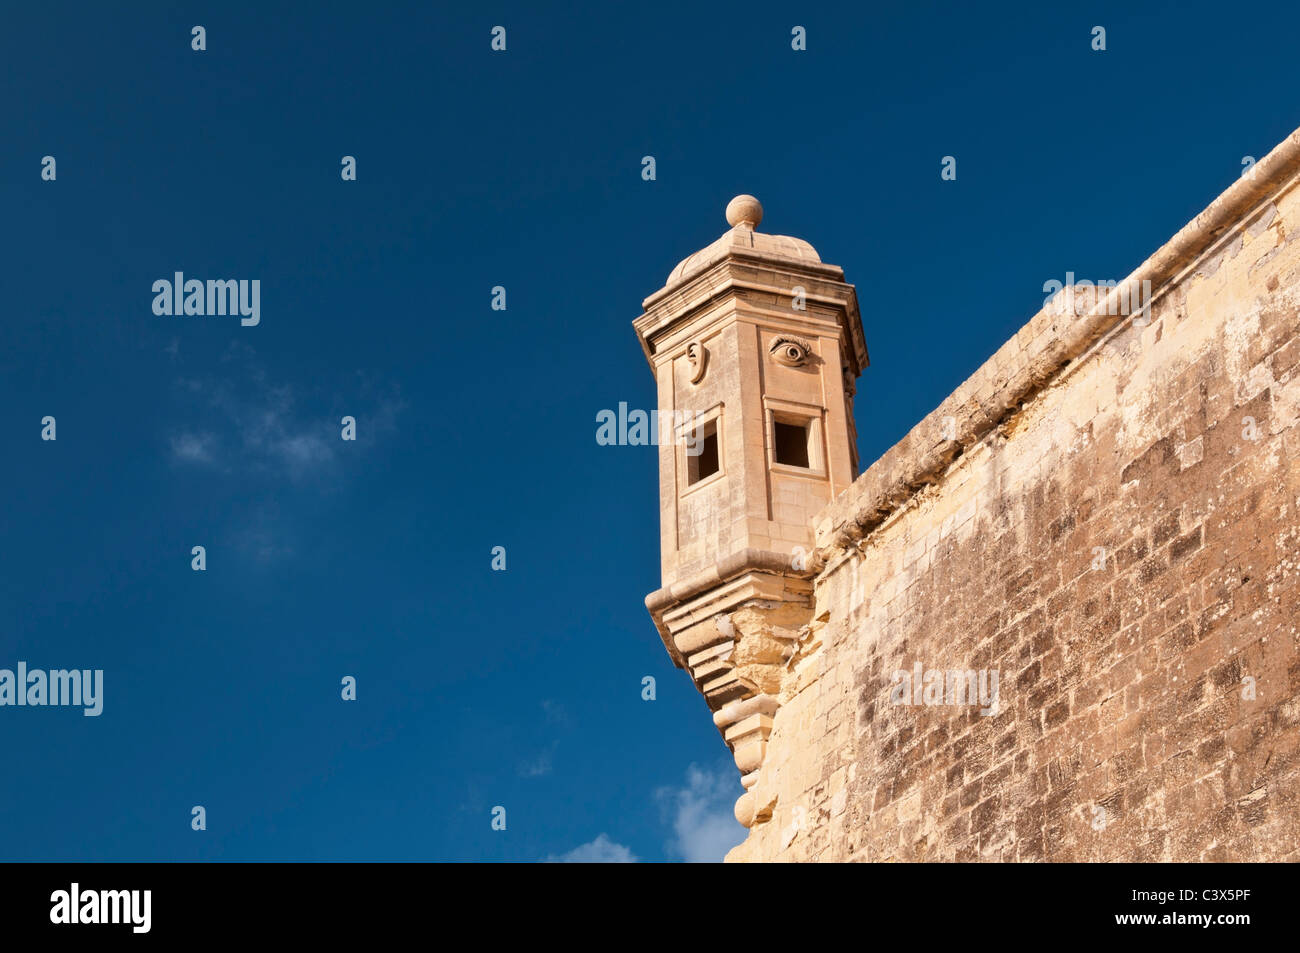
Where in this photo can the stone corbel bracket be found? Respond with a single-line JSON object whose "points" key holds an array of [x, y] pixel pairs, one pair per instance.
{"points": [[734, 627], [746, 724]]}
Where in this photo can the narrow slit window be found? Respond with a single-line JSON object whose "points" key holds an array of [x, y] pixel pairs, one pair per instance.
{"points": [[702, 456], [791, 443]]}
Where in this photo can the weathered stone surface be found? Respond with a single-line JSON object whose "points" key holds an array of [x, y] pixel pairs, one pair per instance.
{"points": [[1108, 531]]}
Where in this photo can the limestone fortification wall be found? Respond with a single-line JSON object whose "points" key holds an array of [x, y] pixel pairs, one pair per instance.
{"points": [[1106, 515]]}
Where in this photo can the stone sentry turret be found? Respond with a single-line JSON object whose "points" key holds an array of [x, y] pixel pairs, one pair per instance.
{"points": [[756, 346]]}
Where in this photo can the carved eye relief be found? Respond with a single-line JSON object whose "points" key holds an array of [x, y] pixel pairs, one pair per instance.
{"points": [[791, 352]]}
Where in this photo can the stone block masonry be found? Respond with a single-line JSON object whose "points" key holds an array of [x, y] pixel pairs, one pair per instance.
{"points": [[1103, 522], [1116, 531]]}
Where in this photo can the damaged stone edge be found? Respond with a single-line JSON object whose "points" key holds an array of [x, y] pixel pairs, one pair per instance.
{"points": [[731, 567], [1034, 358]]}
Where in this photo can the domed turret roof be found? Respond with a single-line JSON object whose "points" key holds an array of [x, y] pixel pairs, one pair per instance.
{"points": [[744, 213]]}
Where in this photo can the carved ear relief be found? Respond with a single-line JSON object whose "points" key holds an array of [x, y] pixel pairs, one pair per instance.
{"points": [[790, 351], [698, 357]]}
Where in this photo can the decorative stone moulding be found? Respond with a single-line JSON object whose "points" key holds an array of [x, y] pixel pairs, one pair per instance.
{"points": [[792, 352]]}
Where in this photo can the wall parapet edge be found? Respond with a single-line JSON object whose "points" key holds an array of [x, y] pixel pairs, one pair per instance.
{"points": [[1035, 357]]}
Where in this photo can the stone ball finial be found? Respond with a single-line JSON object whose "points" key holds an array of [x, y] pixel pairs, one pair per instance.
{"points": [[744, 210]]}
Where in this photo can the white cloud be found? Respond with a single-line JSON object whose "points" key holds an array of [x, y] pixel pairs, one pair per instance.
{"points": [[275, 435], [263, 427], [537, 767], [304, 450], [263, 538], [555, 711], [193, 447], [600, 851], [702, 815]]}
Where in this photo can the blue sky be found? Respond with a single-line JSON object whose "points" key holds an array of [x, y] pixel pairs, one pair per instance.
{"points": [[476, 428]]}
